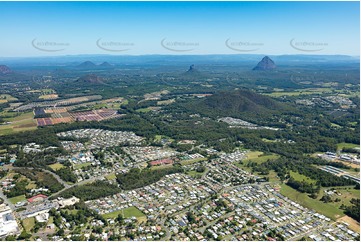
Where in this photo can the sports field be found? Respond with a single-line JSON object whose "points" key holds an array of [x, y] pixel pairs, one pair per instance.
{"points": [[127, 213]]}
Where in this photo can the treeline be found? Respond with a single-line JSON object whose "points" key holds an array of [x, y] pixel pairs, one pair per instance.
{"points": [[3, 173], [283, 166], [18, 189], [354, 210], [42, 179], [38, 159], [66, 174], [91, 191], [42, 136], [303, 186], [137, 178], [81, 215], [310, 132]]}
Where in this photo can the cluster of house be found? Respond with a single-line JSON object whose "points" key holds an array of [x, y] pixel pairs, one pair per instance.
{"points": [[7, 183], [226, 174], [277, 211], [155, 95], [313, 101], [344, 102], [141, 232], [173, 193], [234, 156], [130, 227], [82, 158], [99, 138], [328, 101], [149, 153], [72, 145], [254, 212], [35, 148], [86, 166], [234, 123], [7, 158], [88, 172], [187, 142]]}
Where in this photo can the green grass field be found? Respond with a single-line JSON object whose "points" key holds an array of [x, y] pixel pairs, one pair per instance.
{"points": [[253, 154], [51, 220], [28, 224], [48, 96], [111, 176], [56, 166], [273, 177], [79, 166], [340, 146], [335, 125], [127, 212], [327, 209], [158, 138], [259, 157], [143, 110], [31, 185], [299, 177], [194, 174], [166, 102], [47, 90], [18, 123], [20, 198], [347, 193], [72, 211], [7, 98]]}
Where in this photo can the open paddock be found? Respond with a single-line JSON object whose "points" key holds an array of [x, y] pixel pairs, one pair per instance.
{"points": [[18, 123]]}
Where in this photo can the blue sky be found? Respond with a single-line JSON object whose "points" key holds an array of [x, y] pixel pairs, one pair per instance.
{"points": [[136, 28]]}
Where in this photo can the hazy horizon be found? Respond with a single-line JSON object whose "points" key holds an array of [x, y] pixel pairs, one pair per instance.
{"points": [[179, 28]]}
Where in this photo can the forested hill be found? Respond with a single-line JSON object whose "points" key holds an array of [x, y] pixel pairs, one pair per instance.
{"points": [[236, 102]]}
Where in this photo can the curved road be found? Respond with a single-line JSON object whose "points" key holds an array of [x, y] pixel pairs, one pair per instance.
{"points": [[66, 185]]}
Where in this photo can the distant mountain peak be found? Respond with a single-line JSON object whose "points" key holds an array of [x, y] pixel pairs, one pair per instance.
{"points": [[265, 64], [105, 64], [192, 69], [5, 69], [87, 64]]}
